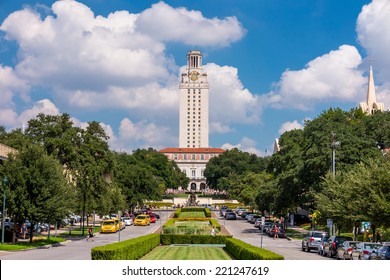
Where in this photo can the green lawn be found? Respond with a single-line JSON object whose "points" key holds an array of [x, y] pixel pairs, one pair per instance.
{"points": [[187, 253], [196, 214], [37, 242]]}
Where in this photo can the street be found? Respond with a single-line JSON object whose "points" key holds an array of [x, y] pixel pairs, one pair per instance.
{"points": [[80, 249]]}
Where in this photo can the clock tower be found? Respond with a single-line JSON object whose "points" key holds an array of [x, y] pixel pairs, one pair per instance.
{"points": [[194, 104]]}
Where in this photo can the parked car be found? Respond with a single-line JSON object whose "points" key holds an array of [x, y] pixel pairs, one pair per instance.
{"points": [[313, 240], [346, 249], [249, 217], [320, 249], [266, 226], [230, 216], [257, 222], [300, 219], [228, 211], [142, 220], [383, 253], [364, 250], [244, 214], [222, 210], [127, 221], [333, 243], [153, 218], [253, 219]]}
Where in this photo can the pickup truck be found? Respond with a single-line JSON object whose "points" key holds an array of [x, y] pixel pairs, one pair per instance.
{"points": [[313, 240]]}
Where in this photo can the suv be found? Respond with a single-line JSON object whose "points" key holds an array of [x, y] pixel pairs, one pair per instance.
{"points": [[313, 240], [333, 243]]}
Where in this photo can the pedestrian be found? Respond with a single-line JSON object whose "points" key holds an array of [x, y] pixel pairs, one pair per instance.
{"points": [[379, 237], [212, 232], [90, 233], [276, 231], [24, 230]]}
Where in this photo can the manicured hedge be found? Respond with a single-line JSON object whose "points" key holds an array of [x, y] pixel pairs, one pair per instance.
{"points": [[167, 239], [244, 251], [131, 249], [177, 213], [134, 249]]}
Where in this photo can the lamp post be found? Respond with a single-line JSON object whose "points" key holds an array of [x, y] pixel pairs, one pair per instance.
{"points": [[3, 216], [334, 145]]}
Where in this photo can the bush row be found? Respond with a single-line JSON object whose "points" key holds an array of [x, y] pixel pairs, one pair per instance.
{"points": [[244, 251], [167, 239], [131, 249], [135, 248]]}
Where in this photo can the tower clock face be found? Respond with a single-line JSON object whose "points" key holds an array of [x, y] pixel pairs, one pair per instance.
{"points": [[194, 75]]}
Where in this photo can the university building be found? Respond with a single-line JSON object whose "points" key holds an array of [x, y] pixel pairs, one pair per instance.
{"points": [[193, 152]]}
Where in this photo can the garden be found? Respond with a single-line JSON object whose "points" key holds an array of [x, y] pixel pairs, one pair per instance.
{"points": [[186, 236]]}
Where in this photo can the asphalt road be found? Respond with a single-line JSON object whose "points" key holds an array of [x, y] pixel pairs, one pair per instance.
{"points": [[80, 249], [291, 250]]}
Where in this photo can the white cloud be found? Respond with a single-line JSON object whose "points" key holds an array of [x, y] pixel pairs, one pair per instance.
{"points": [[287, 126], [44, 106], [246, 144], [10, 85], [229, 101], [217, 127], [373, 30], [334, 76], [169, 24]]}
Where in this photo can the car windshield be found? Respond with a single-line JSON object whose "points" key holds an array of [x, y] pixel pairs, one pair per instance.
{"points": [[319, 234], [141, 217], [371, 246], [108, 223]]}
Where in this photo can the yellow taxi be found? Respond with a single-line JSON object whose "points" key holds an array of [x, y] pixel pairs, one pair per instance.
{"points": [[142, 220], [111, 225]]}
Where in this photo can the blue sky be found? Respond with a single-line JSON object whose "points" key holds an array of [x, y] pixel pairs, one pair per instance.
{"points": [[271, 64]]}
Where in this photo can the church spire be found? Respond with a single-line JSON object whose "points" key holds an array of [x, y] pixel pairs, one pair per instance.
{"points": [[371, 106], [371, 97]]}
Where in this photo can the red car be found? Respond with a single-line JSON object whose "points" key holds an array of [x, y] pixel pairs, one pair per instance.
{"points": [[153, 218]]}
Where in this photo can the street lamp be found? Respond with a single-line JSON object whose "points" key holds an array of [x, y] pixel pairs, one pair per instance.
{"points": [[3, 216], [334, 145]]}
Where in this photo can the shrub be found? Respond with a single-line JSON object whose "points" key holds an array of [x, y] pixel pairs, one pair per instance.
{"points": [[131, 249], [177, 213], [244, 251]]}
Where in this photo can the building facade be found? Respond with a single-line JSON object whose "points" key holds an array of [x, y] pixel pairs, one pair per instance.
{"points": [[194, 104], [193, 152], [192, 161]]}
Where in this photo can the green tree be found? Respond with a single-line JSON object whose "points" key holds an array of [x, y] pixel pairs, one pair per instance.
{"points": [[37, 189], [231, 163]]}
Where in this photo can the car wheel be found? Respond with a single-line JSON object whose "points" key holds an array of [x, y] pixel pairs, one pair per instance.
{"points": [[308, 249], [303, 248]]}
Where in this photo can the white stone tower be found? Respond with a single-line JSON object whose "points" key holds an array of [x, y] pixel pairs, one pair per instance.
{"points": [[371, 106], [194, 104]]}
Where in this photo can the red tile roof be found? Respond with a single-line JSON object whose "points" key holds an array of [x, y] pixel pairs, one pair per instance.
{"points": [[192, 150]]}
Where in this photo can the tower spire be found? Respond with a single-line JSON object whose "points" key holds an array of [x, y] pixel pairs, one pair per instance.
{"points": [[371, 96]]}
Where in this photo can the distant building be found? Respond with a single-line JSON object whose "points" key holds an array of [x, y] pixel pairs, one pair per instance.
{"points": [[276, 146], [192, 161], [5, 151], [194, 151], [194, 104], [371, 105]]}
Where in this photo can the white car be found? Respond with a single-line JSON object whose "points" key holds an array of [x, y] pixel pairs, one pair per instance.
{"points": [[127, 221]]}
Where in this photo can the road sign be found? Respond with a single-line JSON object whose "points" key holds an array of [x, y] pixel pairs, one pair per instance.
{"points": [[329, 223], [262, 220]]}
